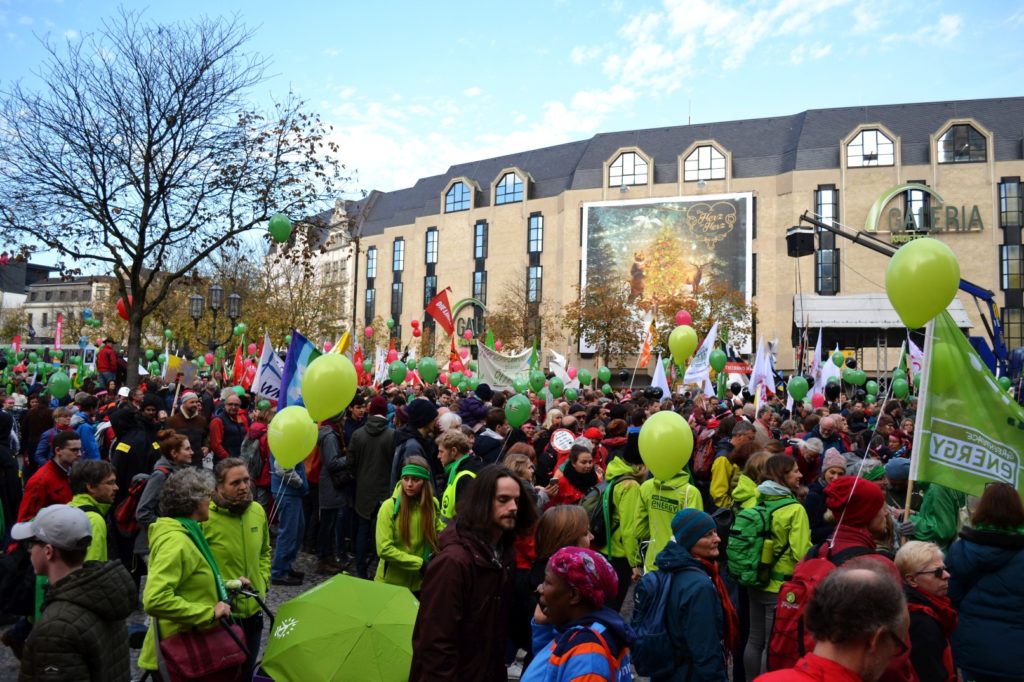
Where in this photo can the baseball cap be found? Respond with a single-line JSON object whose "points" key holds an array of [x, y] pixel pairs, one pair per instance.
{"points": [[60, 525], [123, 392]]}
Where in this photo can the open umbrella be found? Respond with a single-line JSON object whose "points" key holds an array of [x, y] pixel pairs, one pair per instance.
{"points": [[343, 629]]}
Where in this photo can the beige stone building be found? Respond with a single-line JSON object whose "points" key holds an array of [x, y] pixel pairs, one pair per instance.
{"points": [[521, 217]]}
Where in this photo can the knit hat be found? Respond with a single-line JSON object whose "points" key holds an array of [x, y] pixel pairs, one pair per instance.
{"points": [[379, 406], [898, 469], [484, 392], [187, 396], [587, 572], [855, 500], [152, 400], [593, 433], [420, 412], [833, 460], [690, 525]]}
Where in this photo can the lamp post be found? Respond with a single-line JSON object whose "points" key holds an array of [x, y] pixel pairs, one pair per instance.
{"points": [[216, 303]]}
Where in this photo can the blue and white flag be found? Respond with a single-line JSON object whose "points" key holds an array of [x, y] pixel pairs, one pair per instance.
{"points": [[267, 383], [300, 353]]}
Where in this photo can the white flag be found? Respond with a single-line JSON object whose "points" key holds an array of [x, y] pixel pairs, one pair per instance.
{"points": [[916, 365], [828, 370], [816, 368], [267, 382], [700, 367], [659, 380]]}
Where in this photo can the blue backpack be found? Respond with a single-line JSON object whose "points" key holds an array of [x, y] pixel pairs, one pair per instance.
{"points": [[652, 651]]}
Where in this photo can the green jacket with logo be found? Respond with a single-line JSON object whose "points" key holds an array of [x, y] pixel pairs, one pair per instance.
{"points": [[400, 564], [791, 532], [98, 520], [241, 545], [657, 502], [180, 589], [624, 498]]}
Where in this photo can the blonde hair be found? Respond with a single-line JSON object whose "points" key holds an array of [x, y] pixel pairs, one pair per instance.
{"points": [[550, 418], [426, 504], [754, 468], [913, 556], [519, 464], [454, 439]]}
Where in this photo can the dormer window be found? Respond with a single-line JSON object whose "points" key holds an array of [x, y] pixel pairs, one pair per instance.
{"points": [[457, 198], [704, 163], [962, 143], [629, 169], [509, 190], [870, 148]]}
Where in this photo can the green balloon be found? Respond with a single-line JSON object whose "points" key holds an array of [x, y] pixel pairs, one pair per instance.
{"points": [[33, 356], [411, 363], [287, 339], [59, 385], [390, 323], [57, 354], [870, 399], [280, 227], [162, 358], [838, 359], [520, 384], [239, 391], [472, 383], [367, 366], [899, 375], [584, 376], [900, 389], [717, 359], [263, 405], [921, 279], [917, 381], [149, 353], [455, 378], [542, 394], [397, 371], [604, 375], [860, 377], [517, 410], [1004, 383], [168, 334], [797, 387], [220, 352], [606, 389], [871, 387], [556, 386], [472, 365], [243, 327], [428, 370], [536, 380], [571, 394]]}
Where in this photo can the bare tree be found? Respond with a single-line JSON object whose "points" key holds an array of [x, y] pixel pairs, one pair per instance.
{"points": [[140, 146], [517, 321]]}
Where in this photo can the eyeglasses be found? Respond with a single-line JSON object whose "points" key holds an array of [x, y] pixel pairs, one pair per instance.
{"points": [[935, 572]]}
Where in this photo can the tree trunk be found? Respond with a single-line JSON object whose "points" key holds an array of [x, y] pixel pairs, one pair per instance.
{"points": [[135, 321]]}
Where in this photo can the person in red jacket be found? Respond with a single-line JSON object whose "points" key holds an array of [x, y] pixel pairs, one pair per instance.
{"points": [[258, 432], [228, 427], [106, 361], [859, 620], [51, 484]]}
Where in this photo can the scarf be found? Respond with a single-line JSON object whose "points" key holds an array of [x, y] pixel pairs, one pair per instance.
{"points": [[731, 632], [196, 533], [582, 482], [941, 610], [773, 488]]}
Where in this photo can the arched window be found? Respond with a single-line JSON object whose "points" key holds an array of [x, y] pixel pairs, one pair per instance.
{"points": [[704, 163], [457, 198], [509, 190], [629, 169], [870, 148], [962, 143]]}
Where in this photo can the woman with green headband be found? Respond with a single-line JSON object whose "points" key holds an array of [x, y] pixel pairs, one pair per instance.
{"points": [[407, 527]]}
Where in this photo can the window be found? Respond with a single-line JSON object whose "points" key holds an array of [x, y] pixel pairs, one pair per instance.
{"points": [[457, 198], [49, 295], [33, 296], [30, 319], [629, 169], [870, 148], [509, 190], [370, 310], [46, 319], [826, 272], [704, 163], [918, 205], [535, 240], [480, 286], [74, 295], [429, 289], [480, 240], [431, 246], [61, 295], [961, 144], [87, 295], [534, 281], [398, 255], [371, 262], [1013, 327], [826, 203], [1010, 206], [396, 301], [1011, 266]]}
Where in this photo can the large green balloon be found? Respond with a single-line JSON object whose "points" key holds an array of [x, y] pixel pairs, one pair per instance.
{"points": [[871, 387], [838, 359], [1005, 383], [604, 375], [858, 377], [328, 386], [455, 378], [397, 371], [556, 386], [472, 383], [666, 443], [517, 410], [239, 391], [59, 385], [428, 370], [900, 389], [536, 380], [570, 394], [367, 366], [717, 359], [682, 342], [584, 376], [898, 375], [797, 387], [280, 227], [606, 389], [520, 384], [921, 280], [292, 433]]}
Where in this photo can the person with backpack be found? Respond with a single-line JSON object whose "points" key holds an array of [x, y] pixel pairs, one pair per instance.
{"points": [[407, 528], [369, 458], [765, 544], [624, 475], [657, 504], [255, 453], [175, 455], [726, 470], [685, 623], [94, 485], [591, 641]]}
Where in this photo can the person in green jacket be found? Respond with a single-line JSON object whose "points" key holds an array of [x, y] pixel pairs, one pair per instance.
{"points": [[656, 505], [940, 519], [407, 527], [791, 539], [184, 589], [94, 484], [623, 551], [239, 539]]}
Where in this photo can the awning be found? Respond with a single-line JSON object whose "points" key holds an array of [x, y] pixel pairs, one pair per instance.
{"points": [[858, 311]]}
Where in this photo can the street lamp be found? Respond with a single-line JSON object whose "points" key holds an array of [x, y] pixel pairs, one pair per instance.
{"points": [[216, 295]]}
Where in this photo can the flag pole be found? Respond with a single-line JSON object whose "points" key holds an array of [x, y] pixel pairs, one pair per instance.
{"points": [[906, 503]]}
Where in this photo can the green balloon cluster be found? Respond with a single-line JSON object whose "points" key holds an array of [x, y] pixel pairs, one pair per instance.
{"points": [[537, 380]]}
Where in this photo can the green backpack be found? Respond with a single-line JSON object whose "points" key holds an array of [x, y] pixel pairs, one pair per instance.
{"points": [[751, 551]]}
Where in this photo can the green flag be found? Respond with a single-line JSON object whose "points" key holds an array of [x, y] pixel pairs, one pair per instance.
{"points": [[969, 431], [490, 340], [534, 358]]}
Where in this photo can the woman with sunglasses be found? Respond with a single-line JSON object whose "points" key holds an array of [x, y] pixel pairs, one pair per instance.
{"points": [[932, 617]]}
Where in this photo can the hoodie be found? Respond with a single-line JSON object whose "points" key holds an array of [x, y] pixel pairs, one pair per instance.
{"points": [[85, 426], [81, 634], [370, 458], [595, 647], [625, 494], [658, 502]]}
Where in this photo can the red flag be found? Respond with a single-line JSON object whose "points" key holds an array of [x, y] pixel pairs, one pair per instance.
{"points": [[650, 338], [453, 355], [239, 370], [17, 344], [357, 359], [392, 346], [441, 310], [60, 331]]}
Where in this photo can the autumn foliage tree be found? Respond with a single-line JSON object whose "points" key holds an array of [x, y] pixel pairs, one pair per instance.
{"points": [[517, 321]]}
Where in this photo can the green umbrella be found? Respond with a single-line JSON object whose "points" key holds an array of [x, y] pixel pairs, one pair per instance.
{"points": [[343, 629]]}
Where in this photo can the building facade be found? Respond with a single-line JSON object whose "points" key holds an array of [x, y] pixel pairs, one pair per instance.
{"points": [[49, 298], [524, 217]]}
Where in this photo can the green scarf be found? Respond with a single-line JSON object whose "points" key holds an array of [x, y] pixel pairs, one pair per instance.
{"points": [[453, 468], [196, 533], [1000, 529]]}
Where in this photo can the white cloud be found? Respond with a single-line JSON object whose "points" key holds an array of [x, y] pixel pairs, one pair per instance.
{"points": [[332, 52], [866, 19], [473, 91], [940, 34], [25, 21], [581, 54], [801, 53]]}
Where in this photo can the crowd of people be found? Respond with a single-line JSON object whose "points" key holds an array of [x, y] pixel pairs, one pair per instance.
{"points": [[514, 539]]}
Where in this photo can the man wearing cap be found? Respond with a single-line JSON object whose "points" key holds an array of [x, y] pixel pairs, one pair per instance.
{"points": [[51, 484], [81, 633], [416, 437], [106, 361], [370, 455], [188, 420]]}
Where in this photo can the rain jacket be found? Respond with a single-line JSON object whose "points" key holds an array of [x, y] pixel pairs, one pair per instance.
{"points": [[657, 503], [98, 520], [369, 457], [625, 494], [401, 565], [81, 634], [985, 587], [723, 473], [180, 590], [85, 426], [594, 648], [47, 486], [136, 452], [939, 518], [333, 460], [149, 502], [241, 545], [792, 533], [745, 493]]}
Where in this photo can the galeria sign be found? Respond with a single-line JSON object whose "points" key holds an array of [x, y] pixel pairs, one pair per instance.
{"points": [[929, 217]]}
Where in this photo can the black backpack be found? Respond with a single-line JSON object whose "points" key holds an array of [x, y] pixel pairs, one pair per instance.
{"points": [[598, 503]]}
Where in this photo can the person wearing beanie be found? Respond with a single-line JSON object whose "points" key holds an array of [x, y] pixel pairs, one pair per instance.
{"points": [[188, 420], [833, 466], [700, 618], [370, 456], [416, 437], [484, 393], [897, 476]]}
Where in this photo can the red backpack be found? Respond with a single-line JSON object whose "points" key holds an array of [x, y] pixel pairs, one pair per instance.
{"points": [[124, 512], [703, 455], [789, 640]]}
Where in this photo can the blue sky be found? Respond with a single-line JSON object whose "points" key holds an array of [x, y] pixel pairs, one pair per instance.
{"points": [[412, 87]]}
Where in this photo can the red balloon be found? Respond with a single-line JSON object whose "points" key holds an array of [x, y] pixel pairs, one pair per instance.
{"points": [[417, 333], [468, 334], [464, 353], [415, 324], [368, 332], [122, 309], [209, 358], [252, 349], [392, 355], [684, 317], [498, 345], [327, 346], [443, 378], [455, 366], [818, 400]]}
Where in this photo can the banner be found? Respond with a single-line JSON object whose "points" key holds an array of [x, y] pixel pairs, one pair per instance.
{"points": [[699, 369], [659, 380], [59, 331], [441, 310], [268, 372], [499, 371], [650, 339], [175, 366], [300, 353], [968, 430]]}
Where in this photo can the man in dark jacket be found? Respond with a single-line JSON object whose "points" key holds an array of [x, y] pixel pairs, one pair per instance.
{"points": [[228, 427], [335, 494], [355, 417], [462, 623], [137, 450], [189, 421], [370, 456], [417, 438], [81, 634]]}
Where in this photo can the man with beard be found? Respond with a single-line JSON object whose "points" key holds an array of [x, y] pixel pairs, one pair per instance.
{"points": [[240, 542], [189, 421]]}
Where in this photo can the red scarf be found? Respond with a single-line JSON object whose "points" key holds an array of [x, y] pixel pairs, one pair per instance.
{"points": [[731, 632], [941, 610]]}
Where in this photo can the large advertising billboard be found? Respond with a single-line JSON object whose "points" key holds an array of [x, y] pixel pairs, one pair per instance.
{"points": [[650, 246]]}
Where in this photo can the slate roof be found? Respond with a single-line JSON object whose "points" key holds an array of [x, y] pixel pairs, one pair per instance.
{"points": [[763, 147]]}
